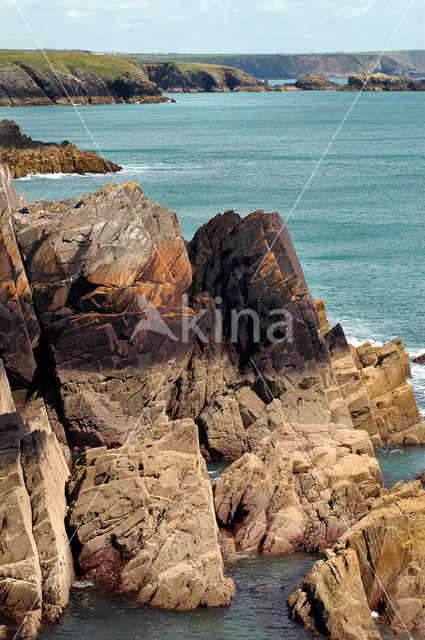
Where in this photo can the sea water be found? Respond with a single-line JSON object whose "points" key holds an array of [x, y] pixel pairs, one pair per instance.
{"points": [[359, 232]]}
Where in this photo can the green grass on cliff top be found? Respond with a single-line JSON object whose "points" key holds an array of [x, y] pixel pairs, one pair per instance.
{"points": [[106, 66], [185, 67], [65, 61]]}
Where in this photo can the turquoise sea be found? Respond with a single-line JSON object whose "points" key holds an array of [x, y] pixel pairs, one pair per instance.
{"points": [[359, 231]]}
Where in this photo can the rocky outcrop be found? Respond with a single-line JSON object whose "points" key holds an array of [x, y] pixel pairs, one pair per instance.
{"points": [[419, 359], [24, 156], [383, 82], [160, 542], [300, 488], [81, 78], [316, 83], [373, 382], [376, 566], [36, 568], [146, 522], [193, 78], [384, 372], [142, 351]]}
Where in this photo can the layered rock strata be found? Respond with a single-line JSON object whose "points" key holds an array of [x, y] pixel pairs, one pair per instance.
{"points": [[25, 156], [377, 566], [36, 567]]}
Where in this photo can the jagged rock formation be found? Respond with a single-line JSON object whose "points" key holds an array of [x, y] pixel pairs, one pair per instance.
{"points": [[24, 156], [189, 78], [419, 359], [300, 488], [26, 79], [36, 568], [93, 270], [383, 82], [95, 285], [150, 529], [101, 295], [176, 566], [376, 566], [373, 382]]}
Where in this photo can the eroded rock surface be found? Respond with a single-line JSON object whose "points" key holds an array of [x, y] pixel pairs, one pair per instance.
{"points": [[377, 566], [300, 487], [150, 528], [36, 567]]}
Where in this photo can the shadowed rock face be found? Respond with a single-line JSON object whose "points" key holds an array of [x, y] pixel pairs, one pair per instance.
{"points": [[24, 156], [100, 265], [33, 84]]}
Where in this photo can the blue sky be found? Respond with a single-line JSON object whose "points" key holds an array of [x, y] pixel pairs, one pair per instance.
{"points": [[212, 26]]}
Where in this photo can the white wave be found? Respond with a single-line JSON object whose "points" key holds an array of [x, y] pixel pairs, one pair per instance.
{"points": [[59, 176], [415, 353], [356, 342], [418, 371], [82, 584], [159, 166]]}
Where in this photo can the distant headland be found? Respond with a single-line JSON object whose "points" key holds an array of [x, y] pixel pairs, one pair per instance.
{"points": [[29, 78]]}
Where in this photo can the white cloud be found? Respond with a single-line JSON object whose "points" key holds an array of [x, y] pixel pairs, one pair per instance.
{"points": [[77, 16]]}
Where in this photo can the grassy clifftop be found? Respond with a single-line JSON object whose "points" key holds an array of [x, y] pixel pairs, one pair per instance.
{"points": [[66, 61]]}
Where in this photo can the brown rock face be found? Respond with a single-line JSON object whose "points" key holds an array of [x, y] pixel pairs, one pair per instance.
{"points": [[150, 529], [420, 359], [96, 268], [24, 156], [376, 566]]}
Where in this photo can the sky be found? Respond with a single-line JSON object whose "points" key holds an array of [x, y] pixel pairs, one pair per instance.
{"points": [[212, 26]]}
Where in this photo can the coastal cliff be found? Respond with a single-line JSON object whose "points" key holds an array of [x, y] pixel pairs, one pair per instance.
{"points": [[27, 78], [113, 348], [188, 78], [331, 65], [24, 156]]}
